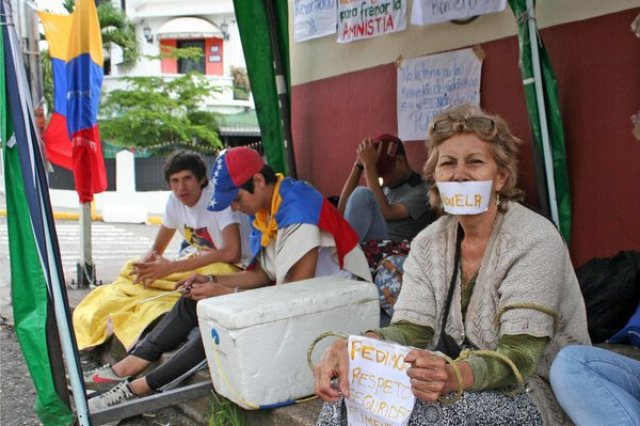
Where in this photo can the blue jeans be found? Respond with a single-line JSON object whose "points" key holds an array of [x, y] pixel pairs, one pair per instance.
{"points": [[597, 387], [364, 215]]}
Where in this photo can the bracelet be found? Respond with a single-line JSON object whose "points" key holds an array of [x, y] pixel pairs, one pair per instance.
{"points": [[212, 279], [313, 344]]}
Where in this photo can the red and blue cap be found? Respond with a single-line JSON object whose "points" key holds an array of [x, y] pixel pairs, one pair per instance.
{"points": [[391, 148], [233, 167]]}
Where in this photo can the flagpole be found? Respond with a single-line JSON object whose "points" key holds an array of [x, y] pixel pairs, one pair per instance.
{"points": [[40, 218], [69, 350], [85, 268], [542, 114], [31, 51], [281, 88]]}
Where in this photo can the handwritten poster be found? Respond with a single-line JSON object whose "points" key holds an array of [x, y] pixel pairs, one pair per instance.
{"points": [[427, 12], [314, 18], [359, 19], [430, 84], [380, 388]]}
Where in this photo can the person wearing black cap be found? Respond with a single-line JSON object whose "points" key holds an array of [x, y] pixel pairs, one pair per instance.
{"points": [[396, 209]]}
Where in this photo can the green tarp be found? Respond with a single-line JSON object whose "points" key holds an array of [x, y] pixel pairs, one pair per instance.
{"points": [[551, 108], [253, 22]]}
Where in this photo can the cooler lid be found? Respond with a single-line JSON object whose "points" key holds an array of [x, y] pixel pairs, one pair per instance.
{"points": [[274, 303]]}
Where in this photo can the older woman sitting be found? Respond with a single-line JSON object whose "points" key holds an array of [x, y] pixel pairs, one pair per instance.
{"points": [[490, 275]]}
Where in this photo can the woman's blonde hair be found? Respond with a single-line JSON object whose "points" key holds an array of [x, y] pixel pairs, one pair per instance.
{"points": [[489, 128]]}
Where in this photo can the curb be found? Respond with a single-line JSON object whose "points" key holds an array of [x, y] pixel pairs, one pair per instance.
{"points": [[152, 220]]}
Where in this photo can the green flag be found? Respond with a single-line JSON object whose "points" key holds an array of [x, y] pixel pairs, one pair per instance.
{"points": [[28, 285], [253, 24], [550, 106]]}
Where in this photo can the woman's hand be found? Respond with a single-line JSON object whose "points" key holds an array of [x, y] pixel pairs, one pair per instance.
{"points": [[334, 363], [429, 374]]}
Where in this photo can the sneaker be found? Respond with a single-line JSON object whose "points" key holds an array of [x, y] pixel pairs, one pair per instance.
{"points": [[118, 394], [102, 378]]}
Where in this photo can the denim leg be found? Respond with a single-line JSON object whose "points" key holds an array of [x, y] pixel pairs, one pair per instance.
{"points": [[364, 215], [597, 387]]}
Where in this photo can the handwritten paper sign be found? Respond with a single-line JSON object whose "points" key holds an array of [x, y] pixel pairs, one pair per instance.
{"points": [[433, 11], [380, 388], [358, 19], [314, 18], [430, 84]]}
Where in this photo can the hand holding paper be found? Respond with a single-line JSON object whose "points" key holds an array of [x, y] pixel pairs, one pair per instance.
{"points": [[428, 374]]}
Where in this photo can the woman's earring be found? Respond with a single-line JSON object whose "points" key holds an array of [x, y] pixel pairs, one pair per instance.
{"points": [[498, 199]]}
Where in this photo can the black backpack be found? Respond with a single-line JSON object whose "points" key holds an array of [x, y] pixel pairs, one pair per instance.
{"points": [[611, 290]]}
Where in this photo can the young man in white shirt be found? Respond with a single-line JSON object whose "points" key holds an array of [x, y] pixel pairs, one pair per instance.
{"points": [[213, 238]]}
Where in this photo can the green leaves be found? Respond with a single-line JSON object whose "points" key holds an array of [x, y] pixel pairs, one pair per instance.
{"points": [[117, 29], [223, 412], [158, 114]]}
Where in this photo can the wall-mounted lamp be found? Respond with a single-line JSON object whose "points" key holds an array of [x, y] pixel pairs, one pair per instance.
{"points": [[224, 28], [147, 34]]}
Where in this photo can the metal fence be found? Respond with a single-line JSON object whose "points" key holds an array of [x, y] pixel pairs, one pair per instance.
{"points": [[61, 178], [149, 174]]}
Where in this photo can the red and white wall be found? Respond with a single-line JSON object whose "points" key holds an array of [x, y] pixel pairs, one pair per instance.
{"points": [[342, 93]]}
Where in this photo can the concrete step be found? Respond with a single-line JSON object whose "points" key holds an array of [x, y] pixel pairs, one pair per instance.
{"points": [[197, 411]]}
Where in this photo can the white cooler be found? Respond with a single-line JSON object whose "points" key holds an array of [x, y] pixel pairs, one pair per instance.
{"points": [[256, 341]]}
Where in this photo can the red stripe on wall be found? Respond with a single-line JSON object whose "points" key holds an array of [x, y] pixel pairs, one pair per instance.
{"points": [[169, 65], [214, 54]]}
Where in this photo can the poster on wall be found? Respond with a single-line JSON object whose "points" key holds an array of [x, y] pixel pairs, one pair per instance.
{"points": [[430, 84], [359, 19], [427, 12], [314, 18]]}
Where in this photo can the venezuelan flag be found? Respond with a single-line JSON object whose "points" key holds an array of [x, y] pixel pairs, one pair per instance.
{"points": [[299, 202], [72, 139]]}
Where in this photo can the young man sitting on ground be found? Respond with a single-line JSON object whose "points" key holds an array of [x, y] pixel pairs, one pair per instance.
{"points": [[396, 209], [298, 235], [216, 241]]}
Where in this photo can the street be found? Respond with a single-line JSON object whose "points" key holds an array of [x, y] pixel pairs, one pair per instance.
{"points": [[113, 244]]}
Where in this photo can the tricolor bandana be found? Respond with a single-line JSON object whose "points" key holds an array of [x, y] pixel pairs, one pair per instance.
{"points": [[233, 167]]}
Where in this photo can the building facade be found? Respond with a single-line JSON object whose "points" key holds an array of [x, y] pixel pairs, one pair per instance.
{"points": [[208, 25]]}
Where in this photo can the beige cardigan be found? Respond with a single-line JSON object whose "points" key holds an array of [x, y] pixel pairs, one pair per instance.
{"points": [[525, 262]]}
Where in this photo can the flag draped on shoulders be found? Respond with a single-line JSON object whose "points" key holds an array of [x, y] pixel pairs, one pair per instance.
{"points": [[298, 202], [72, 139]]}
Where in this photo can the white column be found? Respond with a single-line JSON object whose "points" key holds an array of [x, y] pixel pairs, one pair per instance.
{"points": [[125, 172], [125, 206]]}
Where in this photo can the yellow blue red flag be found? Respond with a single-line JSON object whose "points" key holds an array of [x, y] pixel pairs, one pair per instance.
{"points": [[72, 139]]}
